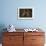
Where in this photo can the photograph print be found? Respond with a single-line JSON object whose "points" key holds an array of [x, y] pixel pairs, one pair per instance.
{"points": [[25, 13]]}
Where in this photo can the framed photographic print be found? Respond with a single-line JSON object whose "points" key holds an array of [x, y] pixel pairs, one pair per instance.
{"points": [[25, 13]]}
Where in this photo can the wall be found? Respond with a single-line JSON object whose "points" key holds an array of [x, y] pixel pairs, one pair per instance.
{"points": [[9, 13]]}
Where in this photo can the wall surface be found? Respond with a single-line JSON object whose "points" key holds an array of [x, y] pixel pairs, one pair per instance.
{"points": [[9, 13]]}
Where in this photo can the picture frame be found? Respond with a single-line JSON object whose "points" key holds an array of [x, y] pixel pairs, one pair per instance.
{"points": [[25, 13]]}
